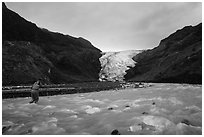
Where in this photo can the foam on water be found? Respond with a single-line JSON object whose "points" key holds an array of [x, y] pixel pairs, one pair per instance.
{"points": [[159, 109]]}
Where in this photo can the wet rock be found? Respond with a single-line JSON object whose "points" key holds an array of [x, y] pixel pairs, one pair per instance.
{"points": [[145, 113], [154, 123], [5, 128], [185, 121], [115, 132], [110, 108]]}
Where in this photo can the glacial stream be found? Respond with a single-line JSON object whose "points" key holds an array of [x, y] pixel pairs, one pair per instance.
{"points": [[158, 109]]}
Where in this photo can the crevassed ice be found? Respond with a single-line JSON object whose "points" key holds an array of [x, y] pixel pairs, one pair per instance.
{"points": [[115, 64]]}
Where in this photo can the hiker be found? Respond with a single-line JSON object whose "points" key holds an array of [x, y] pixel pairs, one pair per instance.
{"points": [[35, 92]]}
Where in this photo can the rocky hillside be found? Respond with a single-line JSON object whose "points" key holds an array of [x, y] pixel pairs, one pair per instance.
{"points": [[115, 64], [177, 59], [29, 53]]}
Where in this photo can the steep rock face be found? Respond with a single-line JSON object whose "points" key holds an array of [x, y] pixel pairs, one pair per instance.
{"points": [[115, 64], [177, 59], [30, 52]]}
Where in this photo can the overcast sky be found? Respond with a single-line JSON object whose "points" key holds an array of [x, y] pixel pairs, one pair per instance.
{"points": [[112, 26]]}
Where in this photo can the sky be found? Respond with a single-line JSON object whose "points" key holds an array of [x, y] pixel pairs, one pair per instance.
{"points": [[112, 26]]}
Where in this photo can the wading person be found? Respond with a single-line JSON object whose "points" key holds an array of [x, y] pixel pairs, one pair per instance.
{"points": [[35, 92]]}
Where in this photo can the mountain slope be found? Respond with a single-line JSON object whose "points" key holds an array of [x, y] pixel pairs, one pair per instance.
{"points": [[177, 59], [30, 52]]}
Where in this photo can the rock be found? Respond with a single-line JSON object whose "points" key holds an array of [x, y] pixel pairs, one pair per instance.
{"points": [[154, 123], [185, 121], [5, 128], [115, 132], [110, 108], [145, 113]]}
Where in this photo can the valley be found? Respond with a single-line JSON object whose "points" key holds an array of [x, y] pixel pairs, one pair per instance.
{"points": [[159, 109]]}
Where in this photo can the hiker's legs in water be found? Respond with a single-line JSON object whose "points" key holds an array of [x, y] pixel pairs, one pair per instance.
{"points": [[34, 96]]}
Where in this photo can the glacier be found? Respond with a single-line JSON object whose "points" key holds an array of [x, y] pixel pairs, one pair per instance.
{"points": [[115, 64]]}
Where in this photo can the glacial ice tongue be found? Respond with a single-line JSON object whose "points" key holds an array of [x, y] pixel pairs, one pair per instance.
{"points": [[115, 64]]}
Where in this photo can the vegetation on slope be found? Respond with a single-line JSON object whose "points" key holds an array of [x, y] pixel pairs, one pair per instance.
{"points": [[177, 59], [30, 53]]}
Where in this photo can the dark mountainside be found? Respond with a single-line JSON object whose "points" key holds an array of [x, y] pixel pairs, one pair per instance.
{"points": [[177, 59], [30, 53]]}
